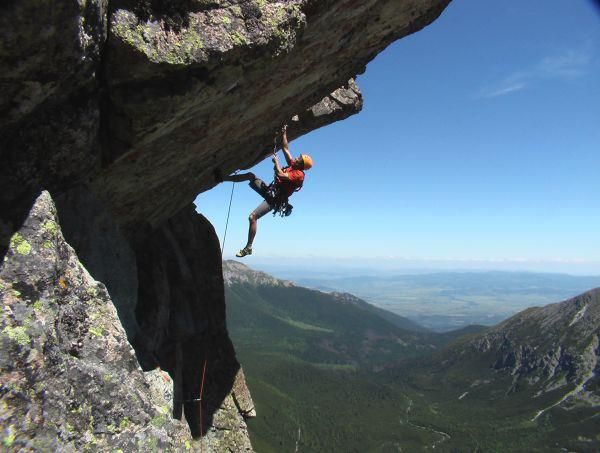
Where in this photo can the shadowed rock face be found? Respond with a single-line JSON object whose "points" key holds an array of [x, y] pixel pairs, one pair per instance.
{"points": [[181, 314], [50, 54]]}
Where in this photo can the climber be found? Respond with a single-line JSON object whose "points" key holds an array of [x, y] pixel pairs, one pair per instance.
{"points": [[287, 181]]}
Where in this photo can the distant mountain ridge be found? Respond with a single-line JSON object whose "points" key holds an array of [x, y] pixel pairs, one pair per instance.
{"points": [[236, 272], [557, 345], [445, 301], [397, 320]]}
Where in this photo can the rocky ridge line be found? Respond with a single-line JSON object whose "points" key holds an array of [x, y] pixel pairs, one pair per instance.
{"points": [[552, 347], [236, 272]]}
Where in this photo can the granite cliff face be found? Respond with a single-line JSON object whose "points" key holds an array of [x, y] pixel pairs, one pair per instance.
{"points": [[122, 110], [69, 378]]}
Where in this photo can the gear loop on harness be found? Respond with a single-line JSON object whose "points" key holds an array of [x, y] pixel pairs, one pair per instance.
{"points": [[279, 202]]}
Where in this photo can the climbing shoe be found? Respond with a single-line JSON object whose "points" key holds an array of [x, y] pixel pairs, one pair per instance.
{"points": [[245, 251]]}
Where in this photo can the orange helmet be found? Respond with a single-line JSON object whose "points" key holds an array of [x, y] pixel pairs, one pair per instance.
{"points": [[306, 161]]}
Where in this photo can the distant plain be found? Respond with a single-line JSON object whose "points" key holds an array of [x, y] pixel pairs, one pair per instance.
{"points": [[443, 301]]}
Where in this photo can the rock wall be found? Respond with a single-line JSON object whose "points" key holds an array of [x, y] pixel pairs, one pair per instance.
{"points": [[122, 110], [69, 379], [49, 100], [204, 85]]}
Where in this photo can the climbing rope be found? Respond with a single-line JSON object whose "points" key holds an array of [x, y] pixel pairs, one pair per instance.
{"points": [[201, 394], [227, 221]]}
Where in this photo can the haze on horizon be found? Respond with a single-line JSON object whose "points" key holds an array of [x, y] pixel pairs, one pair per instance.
{"points": [[348, 266], [477, 149]]}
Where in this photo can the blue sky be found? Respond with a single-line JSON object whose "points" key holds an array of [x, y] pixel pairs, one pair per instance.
{"points": [[478, 147]]}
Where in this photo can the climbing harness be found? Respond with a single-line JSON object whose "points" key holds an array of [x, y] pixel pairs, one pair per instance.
{"points": [[279, 201]]}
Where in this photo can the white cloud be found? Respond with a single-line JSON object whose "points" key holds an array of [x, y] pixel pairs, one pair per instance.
{"points": [[567, 65], [502, 90]]}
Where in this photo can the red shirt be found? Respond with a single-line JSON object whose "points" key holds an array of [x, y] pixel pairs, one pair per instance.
{"points": [[287, 188]]}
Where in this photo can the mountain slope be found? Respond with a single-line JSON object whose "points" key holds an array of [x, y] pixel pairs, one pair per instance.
{"points": [[531, 380], [393, 318], [310, 358], [547, 348], [334, 329], [317, 328]]}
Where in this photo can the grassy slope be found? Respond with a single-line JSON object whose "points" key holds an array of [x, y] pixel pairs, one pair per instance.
{"points": [[298, 383], [318, 328]]}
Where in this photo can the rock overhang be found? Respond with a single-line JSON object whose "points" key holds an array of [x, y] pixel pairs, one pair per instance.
{"points": [[207, 88], [172, 90]]}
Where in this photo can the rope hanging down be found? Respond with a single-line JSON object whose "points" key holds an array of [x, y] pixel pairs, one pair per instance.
{"points": [[201, 395], [227, 221]]}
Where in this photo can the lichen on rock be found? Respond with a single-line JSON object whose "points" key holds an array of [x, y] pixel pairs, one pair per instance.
{"points": [[69, 378], [186, 37]]}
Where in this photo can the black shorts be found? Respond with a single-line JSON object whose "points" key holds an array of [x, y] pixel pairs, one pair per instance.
{"points": [[260, 187]]}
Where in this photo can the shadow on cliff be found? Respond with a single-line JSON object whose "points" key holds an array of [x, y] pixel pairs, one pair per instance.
{"points": [[167, 287], [181, 315], [13, 215], [199, 367]]}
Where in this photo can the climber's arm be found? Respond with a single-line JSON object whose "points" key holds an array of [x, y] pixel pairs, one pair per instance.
{"points": [[278, 172]]}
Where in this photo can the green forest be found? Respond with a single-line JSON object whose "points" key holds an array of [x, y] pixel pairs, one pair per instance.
{"points": [[328, 373]]}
